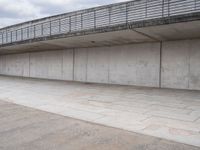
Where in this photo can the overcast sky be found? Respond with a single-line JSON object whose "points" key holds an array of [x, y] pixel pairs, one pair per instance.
{"points": [[16, 11]]}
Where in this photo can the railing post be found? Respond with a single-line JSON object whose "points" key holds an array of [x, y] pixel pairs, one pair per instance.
{"points": [[2, 37], [34, 34], [70, 24], [6, 36], [59, 24], [21, 33], [163, 4], [109, 13], [28, 33], [81, 21], [168, 8], [11, 37], [126, 13], [146, 9], [16, 35], [95, 23], [50, 27], [4, 41], [42, 32], [195, 5]]}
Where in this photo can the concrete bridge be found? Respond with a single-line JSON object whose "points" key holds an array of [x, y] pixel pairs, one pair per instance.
{"points": [[152, 43]]}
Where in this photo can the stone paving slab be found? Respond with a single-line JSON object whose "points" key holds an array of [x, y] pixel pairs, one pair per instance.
{"points": [[38, 130], [163, 113]]}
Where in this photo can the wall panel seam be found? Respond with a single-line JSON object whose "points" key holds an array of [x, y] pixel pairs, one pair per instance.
{"points": [[160, 68]]}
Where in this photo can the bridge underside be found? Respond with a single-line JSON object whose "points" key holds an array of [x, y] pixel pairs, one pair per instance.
{"points": [[168, 32]]}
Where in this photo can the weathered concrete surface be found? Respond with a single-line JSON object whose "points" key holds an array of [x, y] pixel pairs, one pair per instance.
{"points": [[180, 64], [52, 65], [46, 65], [68, 64], [168, 114], [98, 65], [135, 65], [173, 64], [80, 64], [194, 53], [23, 128], [16, 65]]}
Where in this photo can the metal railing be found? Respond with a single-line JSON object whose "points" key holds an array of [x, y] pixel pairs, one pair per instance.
{"points": [[93, 18]]}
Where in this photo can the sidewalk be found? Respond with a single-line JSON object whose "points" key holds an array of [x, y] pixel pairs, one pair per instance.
{"points": [[168, 114]]}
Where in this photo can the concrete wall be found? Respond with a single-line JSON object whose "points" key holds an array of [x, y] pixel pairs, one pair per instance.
{"points": [[136, 64], [46, 65], [52, 64], [98, 65], [16, 65], [194, 80], [181, 64], [80, 65]]}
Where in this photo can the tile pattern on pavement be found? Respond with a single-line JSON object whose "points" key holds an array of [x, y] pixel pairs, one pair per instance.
{"points": [[165, 113], [23, 128]]}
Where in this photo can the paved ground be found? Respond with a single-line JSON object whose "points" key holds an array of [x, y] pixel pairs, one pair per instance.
{"points": [[23, 128], [168, 114]]}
